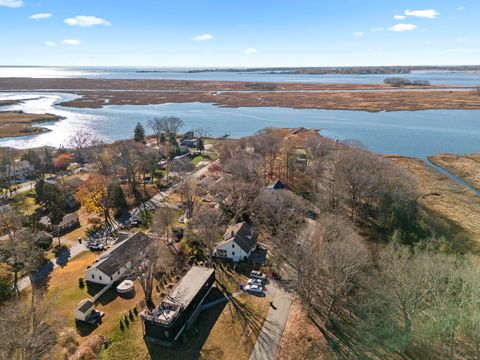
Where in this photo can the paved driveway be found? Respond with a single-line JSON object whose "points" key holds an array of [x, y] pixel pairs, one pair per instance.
{"points": [[274, 325]]}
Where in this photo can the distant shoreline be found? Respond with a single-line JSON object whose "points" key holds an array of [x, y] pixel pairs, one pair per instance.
{"points": [[96, 93], [330, 70]]}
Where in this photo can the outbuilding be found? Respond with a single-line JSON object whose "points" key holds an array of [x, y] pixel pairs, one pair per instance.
{"points": [[84, 310]]}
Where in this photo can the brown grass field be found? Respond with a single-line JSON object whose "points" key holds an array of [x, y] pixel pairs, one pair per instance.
{"points": [[452, 202], [466, 167], [20, 124], [96, 93]]}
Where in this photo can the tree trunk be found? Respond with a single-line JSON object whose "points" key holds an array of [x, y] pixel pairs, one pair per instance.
{"points": [[15, 282]]}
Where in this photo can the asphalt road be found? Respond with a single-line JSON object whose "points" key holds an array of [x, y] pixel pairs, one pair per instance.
{"points": [[48, 267]]}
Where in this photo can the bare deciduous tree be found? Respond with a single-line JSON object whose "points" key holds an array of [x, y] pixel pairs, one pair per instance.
{"points": [[27, 333], [170, 125], [82, 143], [151, 263], [268, 144], [206, 227], [329, 264]]}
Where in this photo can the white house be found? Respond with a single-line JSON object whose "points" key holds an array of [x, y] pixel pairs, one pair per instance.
{"points": [[237, 244], [17, 171], [114, 263], [84, 309]]}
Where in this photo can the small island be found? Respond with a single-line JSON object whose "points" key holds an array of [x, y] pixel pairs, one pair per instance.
{"points": [[18, 123]]}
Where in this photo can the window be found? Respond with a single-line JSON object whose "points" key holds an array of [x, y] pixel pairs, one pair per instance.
{"points": [[233, 245], [233, 253], [100, 277], [93, 276]]}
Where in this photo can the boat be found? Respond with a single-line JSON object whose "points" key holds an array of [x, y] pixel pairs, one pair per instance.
{"points": [[125, 287]]}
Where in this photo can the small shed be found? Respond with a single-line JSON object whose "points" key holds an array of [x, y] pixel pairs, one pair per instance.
{"points": [[84, 310]]}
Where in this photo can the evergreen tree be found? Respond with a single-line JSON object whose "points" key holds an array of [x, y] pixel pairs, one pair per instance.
{"points": [[172, 139], [200, 145], [163, 139], [47, 161], [139, 133], [118, 197]]}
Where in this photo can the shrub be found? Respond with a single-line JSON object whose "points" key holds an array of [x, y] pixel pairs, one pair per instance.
{"points": [[135, 311], [122, 328], [62, 162]]}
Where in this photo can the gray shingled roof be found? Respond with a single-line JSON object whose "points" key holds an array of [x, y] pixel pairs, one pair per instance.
{"points": [[242, 235], [191, 284], [121, 253], [87, 304]]}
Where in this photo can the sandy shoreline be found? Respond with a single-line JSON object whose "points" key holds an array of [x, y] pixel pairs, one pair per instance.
{"points": [[95, 93]]}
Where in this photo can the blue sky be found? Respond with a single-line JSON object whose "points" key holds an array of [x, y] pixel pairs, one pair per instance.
{"points": [[246, 33]]}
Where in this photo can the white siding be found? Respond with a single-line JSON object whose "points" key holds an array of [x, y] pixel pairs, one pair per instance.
{"points": [[94, 275], [233, 251]]}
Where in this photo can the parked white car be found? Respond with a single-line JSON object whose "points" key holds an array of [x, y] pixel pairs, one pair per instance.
{"points": [[255, 282], [255, 290], [257, 275]]}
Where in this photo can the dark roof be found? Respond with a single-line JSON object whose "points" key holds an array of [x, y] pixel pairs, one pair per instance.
{"points": [[242, 235], [121, 253], [68, 218], [276, 185], [191, 284], [85, 306]]}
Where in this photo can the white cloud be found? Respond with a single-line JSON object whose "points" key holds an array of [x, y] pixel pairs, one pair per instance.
{"points": [[428, 14], [49, 43], [250, 51], [11, 3], [40, 16], [402, 27], [86, 21], [203, 37], [71, 42], [399, 17], [358, 34], [461, 8], [377, 29]]}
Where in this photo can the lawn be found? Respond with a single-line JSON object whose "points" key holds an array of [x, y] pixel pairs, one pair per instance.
{"points": [[25, 202], [236, 330], [199, 158], [225, 331], [228, 331], [63, 287]]}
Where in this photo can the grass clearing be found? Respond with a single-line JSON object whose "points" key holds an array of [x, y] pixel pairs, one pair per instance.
{"points": [[448, 200], [236, 330], [63, 287]]}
